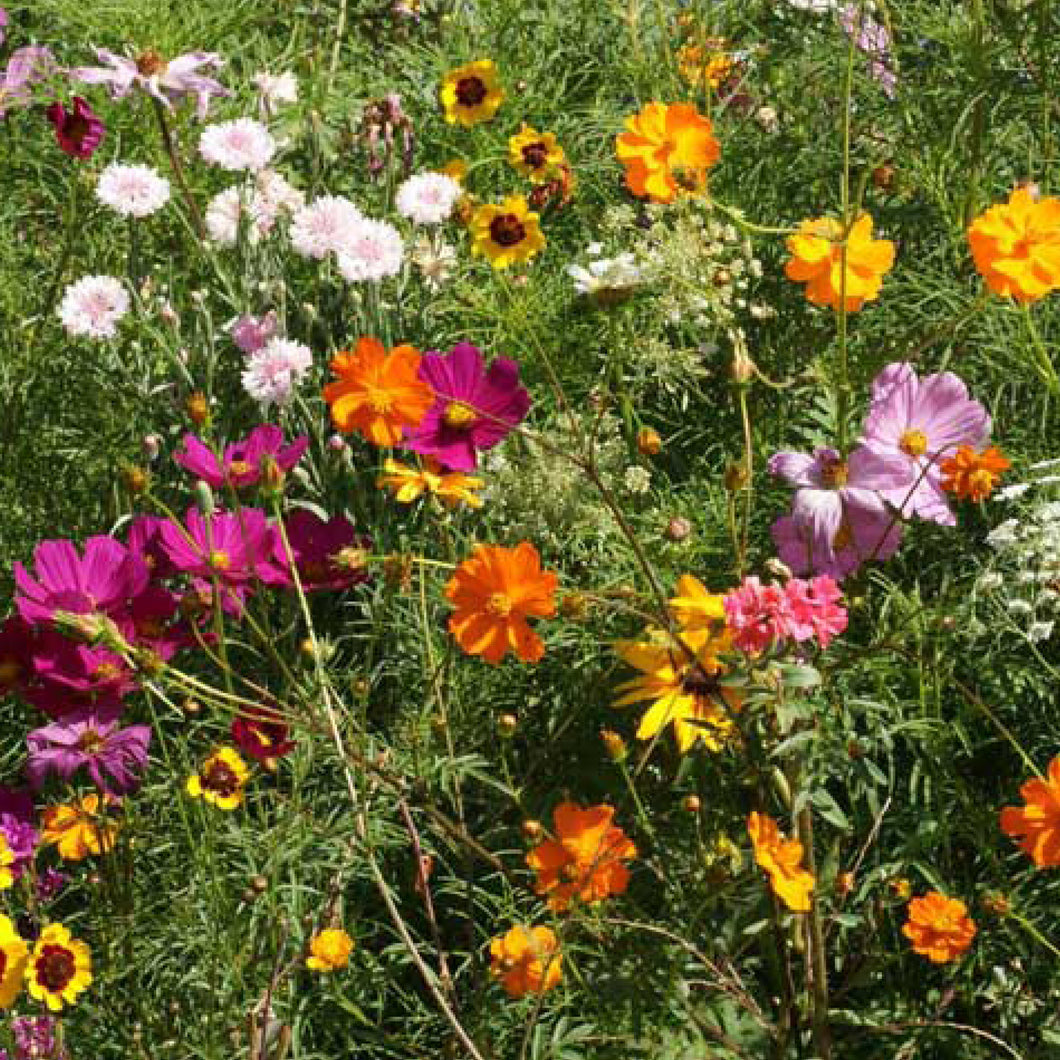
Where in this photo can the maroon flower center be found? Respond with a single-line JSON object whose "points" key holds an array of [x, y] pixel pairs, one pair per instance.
{"points": [[90, 742], [76, 128], [221, 778], [470, 91], [506, 230], [535, 155], [55, 968], [3, 965], [697, 682], [315, 570], [148, 628], [150, 63]]}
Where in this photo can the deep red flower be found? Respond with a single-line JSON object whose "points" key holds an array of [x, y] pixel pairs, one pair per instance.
{"points": [[78, 130]]}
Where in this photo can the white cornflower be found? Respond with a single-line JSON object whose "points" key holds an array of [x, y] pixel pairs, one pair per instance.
{"points": [[428, 198], [276, 89], [243, 144], [93, 306], [818, 7], [326, 225], [132, 191], [273, 371], [373, 252], [280, 196]]}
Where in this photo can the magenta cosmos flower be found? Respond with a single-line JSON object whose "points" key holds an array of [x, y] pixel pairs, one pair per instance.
{"points": [[114, 757], [27, 67], [18, 825], [166, 80], [327, 555], [232, 547], [69, 676], [243, 463], [103, 580], [475, 408], [923, 421], [78, 130], [838, 518]]}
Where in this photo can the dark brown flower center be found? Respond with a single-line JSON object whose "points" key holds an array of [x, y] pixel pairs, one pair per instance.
{"points": [[221, 778], [535, 155], [506, 230], [697, 682], [55, 968], [75, 128], [151, 63], [470, 91]]}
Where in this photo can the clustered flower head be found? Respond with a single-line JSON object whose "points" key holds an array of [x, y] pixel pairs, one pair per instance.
{"points": [[132, 190], [329, 950], [766, 617], [93, 306]]}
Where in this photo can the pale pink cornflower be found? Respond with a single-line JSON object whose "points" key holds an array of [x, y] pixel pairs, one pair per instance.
{"points": [[275, 370], [251, 333], [375, 250], [93, 306], [132, 190], [324, 226], [243, 144], [428, 198], [281, 196], [228, 208]]}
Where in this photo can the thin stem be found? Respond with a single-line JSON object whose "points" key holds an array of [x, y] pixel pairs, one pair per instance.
{"points": [[178, 169]]}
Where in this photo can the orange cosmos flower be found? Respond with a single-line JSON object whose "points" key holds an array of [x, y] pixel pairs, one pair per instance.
{"points": [[79, 829], [939, 927], [1039, 821], [667, 149], [526, 960], [585, 860], [1016, 246], [782, 859], [817, 261], [968, 474], [378, 394], [494, 592]]}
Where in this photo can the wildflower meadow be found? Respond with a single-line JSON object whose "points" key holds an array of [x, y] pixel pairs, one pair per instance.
{"points": [[529, 530]]}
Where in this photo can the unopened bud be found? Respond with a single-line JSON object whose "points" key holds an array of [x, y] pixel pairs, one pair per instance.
{"points": [[616, 747], [204, 498], [532, 831], [136, 479], [272, 475], [198, 408], [260, 884], [337, 444], [742, 369], [781, 786], [844, 884], [996, 904], [691, 804], [649, 443], [883, 176], [736, 476], [900, 887], [678, 529], [151, 445], [192, 706], [397, 573], [351, 558], [574, 606], [506, 726], [855, 750]]}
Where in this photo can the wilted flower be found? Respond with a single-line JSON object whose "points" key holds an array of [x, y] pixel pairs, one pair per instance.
{"points": [[262, 733], [93, 306], [276, 89], [452, 488]]}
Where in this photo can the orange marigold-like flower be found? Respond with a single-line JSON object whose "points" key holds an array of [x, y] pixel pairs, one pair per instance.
{"points": [[939, 927], [1038, 823], [971, 475], [782, 859], [667, 149], [585, 860], [526, 960], [79, 828], [1016, 246], [494, 592], [377, 393], [817, 261]]}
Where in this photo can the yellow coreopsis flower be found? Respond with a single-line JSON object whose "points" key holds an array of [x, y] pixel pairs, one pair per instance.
{"points": [[535, 155], [450, 487], [472, 93], [221, 780], [506, 233], [59, 968], [13, 953]]}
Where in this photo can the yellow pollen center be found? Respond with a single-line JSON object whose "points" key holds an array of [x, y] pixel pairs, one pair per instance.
{"points": [[458, 414], [105, 673], [499, 605], [220, 560], [239, 467], [90, 742], [835, 474], [844, 536], [913, 443], [380, 401]]}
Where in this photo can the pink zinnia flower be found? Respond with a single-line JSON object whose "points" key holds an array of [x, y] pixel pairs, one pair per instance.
{"points": [[164, 80], [838, 518], [758, 616], [114, 757], [78, 130], [476, 408], [242, 463], [243, 144], [923, 421], [102, 581], [93, 306], [814, 610], [327, 555], [231, 547]]}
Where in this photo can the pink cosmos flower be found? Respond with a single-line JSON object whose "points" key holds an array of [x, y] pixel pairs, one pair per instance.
{"points": [[475, 410], [251, 333], [102, 581], [145, 541], [69, 677], [93, 306], [25, 68], [231, 547], [114, 757], [78, 130], [923, 421], [17, 639], [242, 463], [153, 622], [838, 517], [165, 80], [327, 555], [240, 145]]}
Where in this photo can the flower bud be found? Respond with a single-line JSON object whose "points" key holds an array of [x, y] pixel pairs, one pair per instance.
{"points": [[742, 369], [691, 804], [506, 726], [996, 904], [272, 475], [649, 443], [574, 606], [883, 177], [151, 445], [844, 884], [532, 831], [198, 408], [736, 477], [616, 747], [192, 706], [781, 786], [678, 529], [337, 444], [204, 498], [136, 479], [900, 887], [260, 884]]}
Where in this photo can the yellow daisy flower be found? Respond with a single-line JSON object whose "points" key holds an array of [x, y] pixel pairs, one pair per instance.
{"points": [[694, 608], [507, 233], [221, 780], [59, 968], [472, 93], [450, 487], [535, 155], [329, 950], [13, 952]]}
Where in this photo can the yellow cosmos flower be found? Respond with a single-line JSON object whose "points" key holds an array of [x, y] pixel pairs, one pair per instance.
{"points": [[450, 487], [535, 155], [329, 950], [472, 93], [685, 690], [13, 952], [79, 829], [507, 233], [221, 780], [59, 968]]}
